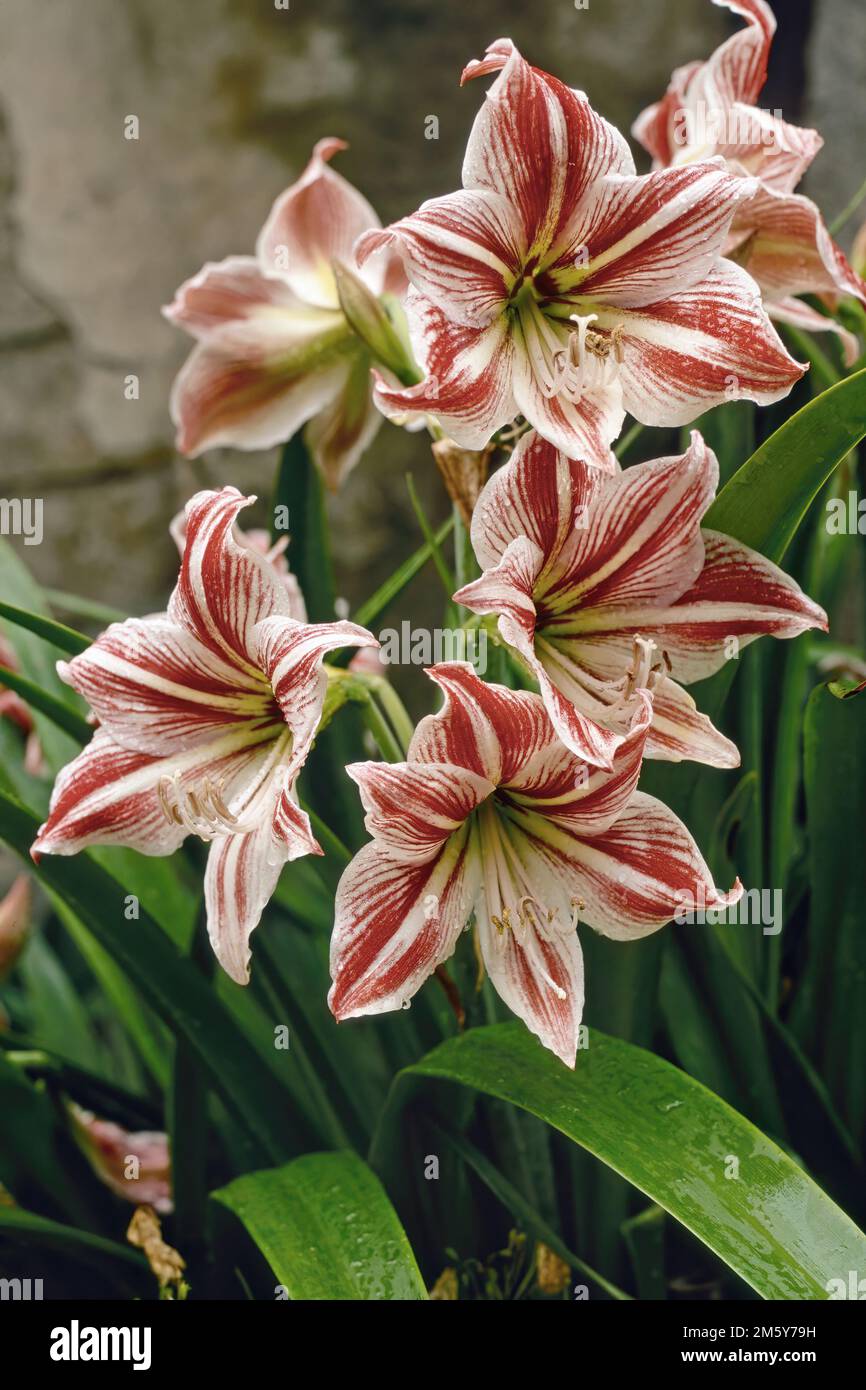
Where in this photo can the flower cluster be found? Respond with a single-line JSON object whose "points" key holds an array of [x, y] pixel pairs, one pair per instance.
{"points": [[554, 293]]}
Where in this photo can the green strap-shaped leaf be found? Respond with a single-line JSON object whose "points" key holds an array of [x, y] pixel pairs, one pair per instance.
{"points": [[671, 1138], [66, 638], [327, 1229], [829, 1011], [766, 500], [61, 714]]}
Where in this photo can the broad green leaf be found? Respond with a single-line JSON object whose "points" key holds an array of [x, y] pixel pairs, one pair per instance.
{"points": [[58, 1015], [830, 1011], [327, 1229], [670, 1137], [767, 499]]}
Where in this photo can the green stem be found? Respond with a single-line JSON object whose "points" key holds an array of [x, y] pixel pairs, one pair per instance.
{"points": [[381, 731], [848, 210], [628, 439], [396, 712], [429, 535]]}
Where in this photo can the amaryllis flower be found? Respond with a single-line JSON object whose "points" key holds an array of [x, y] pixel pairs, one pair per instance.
{"points": [[491, 815], [135, 1165], [206, 716], [779, 236], [608, 584], [560, 286], [274, 348]]}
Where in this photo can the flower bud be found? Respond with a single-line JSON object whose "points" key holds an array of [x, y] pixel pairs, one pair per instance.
{"points": [[367, 317]]}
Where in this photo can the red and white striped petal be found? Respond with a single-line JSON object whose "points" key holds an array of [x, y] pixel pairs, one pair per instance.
{"points": [[642, 544], [260, 541], [344, 429], [224, 588], [232, 291], [738, 67], [539, 494], [508, 589], [291, 654], [528, 941], [412, 808], [739, 594], [468, 386], [241, 875], [538, 144], [463, 252], [735, 73], [802, 315], [316, 221], [254, 384], [155, 687], [485, 728], [702, 346], [110, 795], [789, 251], [561, 787], [650, 237], [395, 922], [660, 127], [679, 730], [582, 429], [763, 145], [635, 876]]}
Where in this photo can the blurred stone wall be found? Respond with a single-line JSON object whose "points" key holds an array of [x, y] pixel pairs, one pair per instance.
{"points": [[96, 231]]}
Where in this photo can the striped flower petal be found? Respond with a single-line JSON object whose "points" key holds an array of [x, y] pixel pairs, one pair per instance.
{"points": [[316, 221], [539, 494], [157, 687], [241, 875], [789, 251], [802, 315], [735, 73], [635, 876], [538, 144], [468, 386], [705, 345], [224, 588], [414, 807], [290, 654], [529, 944], [646, 238], [396, 921], [469, 729], [463, 252], [110, 795]]}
